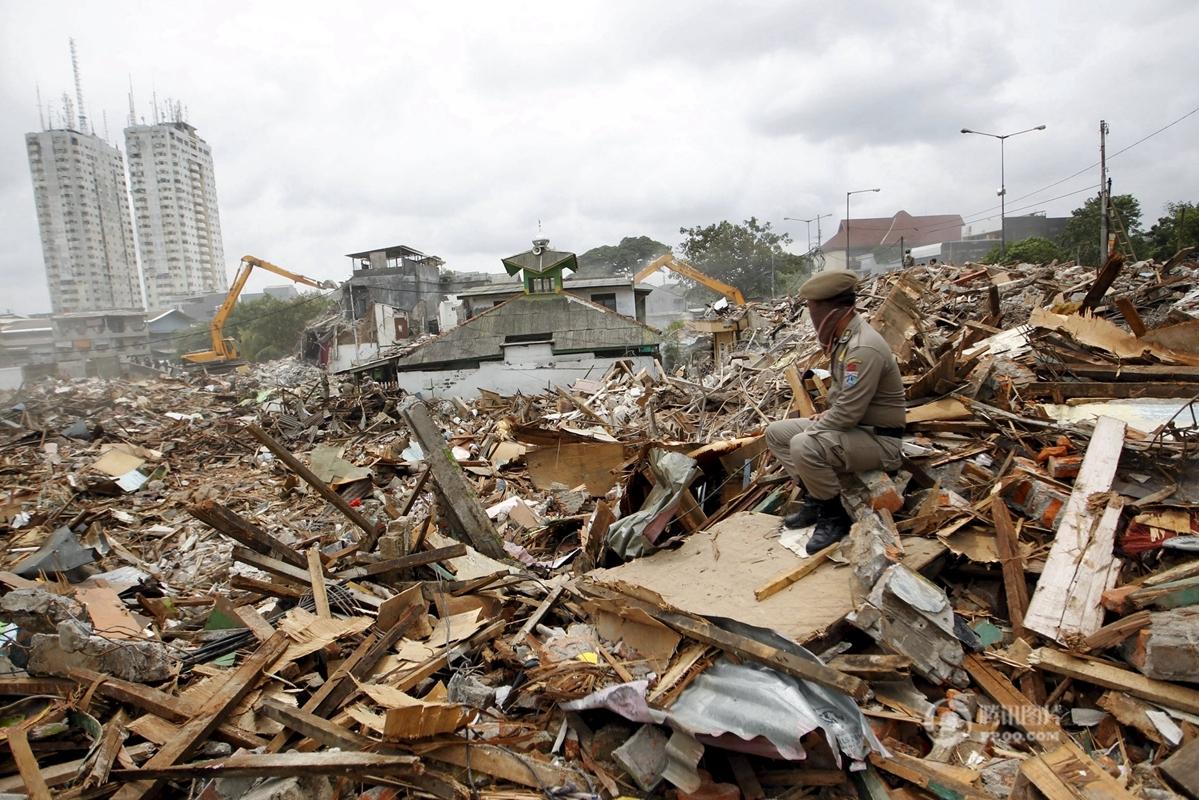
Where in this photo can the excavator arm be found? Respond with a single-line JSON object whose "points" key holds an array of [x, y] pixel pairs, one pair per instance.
{"points": [[689, 270], [223, 349]]}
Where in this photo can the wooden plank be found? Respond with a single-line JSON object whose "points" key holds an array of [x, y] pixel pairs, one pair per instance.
{"points": [[1182, 769], [199, 728], [742, 646], [257, 623], [1007, 544], [273, 566], [403, 562], [410, 500], [1102, 674], [1103, 281], [1060, 391], [266, 765], [928, 775], [31, 774], [507, 765], [371, 529], [319, 729], [1061, 775], [538, 613], [801, 401], [110, 745], [244, 532], [1080, 565], [266, 588], [1133, 372], [316, 575], [158, 703], [1034, 720], [67, 771], [795, 574], [468, 520], [1129, 312]]}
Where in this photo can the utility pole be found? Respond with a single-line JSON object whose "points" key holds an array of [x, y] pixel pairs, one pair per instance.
{"points": [[1104, 198]]}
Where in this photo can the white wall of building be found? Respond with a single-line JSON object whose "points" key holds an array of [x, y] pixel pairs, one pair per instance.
{"points": [[508, 378], [84, 222], [173, 185]]}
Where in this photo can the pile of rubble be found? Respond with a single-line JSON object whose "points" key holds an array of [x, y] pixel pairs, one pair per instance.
{"points": [[274, 585]]}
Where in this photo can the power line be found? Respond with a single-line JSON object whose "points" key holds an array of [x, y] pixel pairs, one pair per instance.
{"points": [[1091, 166]]}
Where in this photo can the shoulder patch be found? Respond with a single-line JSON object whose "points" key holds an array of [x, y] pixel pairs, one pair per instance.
{"points": [[851, 373]]}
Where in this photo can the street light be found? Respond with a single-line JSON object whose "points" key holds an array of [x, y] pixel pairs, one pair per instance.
{"points": [[847, 195], [809, 222], [1002, 183]]}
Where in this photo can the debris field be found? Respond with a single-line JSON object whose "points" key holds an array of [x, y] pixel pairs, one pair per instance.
{"points": [[282, 585]]}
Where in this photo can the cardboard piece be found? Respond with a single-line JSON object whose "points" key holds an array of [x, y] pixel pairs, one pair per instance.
{"points": [[576, 463]]}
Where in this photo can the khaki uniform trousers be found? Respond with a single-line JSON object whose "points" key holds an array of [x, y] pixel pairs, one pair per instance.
{"points": [[815, 458]]}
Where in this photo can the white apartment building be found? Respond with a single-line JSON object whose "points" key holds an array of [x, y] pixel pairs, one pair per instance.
{"points": [[83, 218], [175, 205]]}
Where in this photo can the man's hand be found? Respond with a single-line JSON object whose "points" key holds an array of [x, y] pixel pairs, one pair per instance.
{"points": [[816, 416]]}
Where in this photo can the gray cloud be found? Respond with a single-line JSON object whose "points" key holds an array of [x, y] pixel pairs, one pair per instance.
{"points": [[455, 128]]}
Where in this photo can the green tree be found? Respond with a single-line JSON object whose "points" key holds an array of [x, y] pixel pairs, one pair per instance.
{"points": [[633, 253], [266, 328], [1033, 250], [743, 255], [1179, 228], [1080, 239]]}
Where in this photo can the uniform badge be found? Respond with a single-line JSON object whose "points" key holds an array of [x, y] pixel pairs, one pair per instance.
{"points": [[851, 373]]}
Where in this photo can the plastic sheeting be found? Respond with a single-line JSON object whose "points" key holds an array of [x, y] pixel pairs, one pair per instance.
{"points": [[637, 534], [751, 708]]}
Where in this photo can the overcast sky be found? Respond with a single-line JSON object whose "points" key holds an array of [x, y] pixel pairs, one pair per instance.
{"points": [[455, 127]]}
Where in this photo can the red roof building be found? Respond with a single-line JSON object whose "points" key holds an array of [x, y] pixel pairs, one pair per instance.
{"points": [[870, 232]]}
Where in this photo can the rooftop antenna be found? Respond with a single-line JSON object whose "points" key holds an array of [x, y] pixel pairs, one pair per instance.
{"points": [[132, 113], [104, 115], [154, 102], [68, 112], [41, 117], [78, 87]]}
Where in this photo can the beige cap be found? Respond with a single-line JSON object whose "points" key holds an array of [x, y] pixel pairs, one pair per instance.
{"points": [[828, 284]]}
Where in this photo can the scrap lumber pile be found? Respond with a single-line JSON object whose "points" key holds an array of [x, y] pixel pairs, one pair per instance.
{"points": [[280, 585]]}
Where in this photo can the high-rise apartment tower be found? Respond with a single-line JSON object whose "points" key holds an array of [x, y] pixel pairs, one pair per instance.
{"points": [[83, 218], [175, 207]]}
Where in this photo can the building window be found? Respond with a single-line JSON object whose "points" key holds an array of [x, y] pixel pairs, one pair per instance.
{"points": [[605, 299]]}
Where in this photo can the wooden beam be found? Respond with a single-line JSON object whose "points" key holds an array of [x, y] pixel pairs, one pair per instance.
{"points": [[1099, 673], [409, 501], [538, 613], [403, 562], [744, 647], [31, 774], [1061, 774], [316, 576], [801, 401], [1080, 565], [1129, 312], [1007, 544], [1103, 281], [158, 703], [1133, 372], [244, 532], [468, 520], [316, 728], [1119, 390], [371, 529], [506, 765], [266, 765], [928, 775], [1033, 719], [794, 574], [196, 730]]}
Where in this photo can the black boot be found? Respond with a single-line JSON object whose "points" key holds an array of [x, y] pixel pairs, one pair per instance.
{"points": [[807, 515], [832, 525]]}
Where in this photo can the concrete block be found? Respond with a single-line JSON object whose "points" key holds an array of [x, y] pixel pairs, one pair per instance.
{"points": [[643, 757], [882, 491]]}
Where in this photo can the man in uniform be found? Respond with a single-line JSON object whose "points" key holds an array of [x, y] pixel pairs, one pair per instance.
{"points": [[863, 426]]}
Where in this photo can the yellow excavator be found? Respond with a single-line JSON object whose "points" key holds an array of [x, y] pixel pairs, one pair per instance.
{"points": [[224, 351], [689, 270]]}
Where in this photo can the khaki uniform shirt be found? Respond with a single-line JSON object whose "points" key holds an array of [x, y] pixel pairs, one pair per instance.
{"points": [[867, 389]]}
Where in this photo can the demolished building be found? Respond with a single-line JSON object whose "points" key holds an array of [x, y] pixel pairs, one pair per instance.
{"points": [[276, 586]]}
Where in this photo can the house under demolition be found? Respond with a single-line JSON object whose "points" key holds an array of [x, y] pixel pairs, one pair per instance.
{"points": [[540, 337]]}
